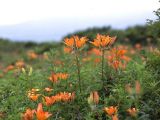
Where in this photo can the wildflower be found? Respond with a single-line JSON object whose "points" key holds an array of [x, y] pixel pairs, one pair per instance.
{"points": [[138, 46], [116, 64], [117, 58], [32, 94], [97, 60], [28, 115], [136, 89], [93, 98], [1, 75], [49, 101], [42, 115], [110, 110], [120, 53], [75, 41], [47, 89], [67, 49], [53, 78], [34, 97], [95, 51], [20, 64], [115, 117], [62, 75], [69, 42], [65, 96], [125, 58], [103, 41], [59, 97], [9, 68], [80, 41], [132, 111], [32, 55]]}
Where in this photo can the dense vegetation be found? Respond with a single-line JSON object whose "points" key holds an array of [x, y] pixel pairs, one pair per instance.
{"points": [[28, 67], [86, 77]]}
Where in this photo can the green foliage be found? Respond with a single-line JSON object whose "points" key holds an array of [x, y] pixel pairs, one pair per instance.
{"points": [[15, 84], [153, 65]]}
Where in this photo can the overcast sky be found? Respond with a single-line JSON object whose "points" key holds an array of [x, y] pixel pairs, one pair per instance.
{"points": [[13, 12]]}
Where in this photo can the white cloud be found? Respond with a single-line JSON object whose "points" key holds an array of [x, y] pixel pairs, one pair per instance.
{"points": [[19, 11]]}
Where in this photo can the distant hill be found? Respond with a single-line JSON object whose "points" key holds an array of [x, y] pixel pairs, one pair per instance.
{"points": [[55, 29]]}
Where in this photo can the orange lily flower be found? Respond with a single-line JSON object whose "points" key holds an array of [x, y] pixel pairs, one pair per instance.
{"points": [[110, 110], [97, 60], [136, 89], [96, 52], [116, 64], [62, 75], [57, 98], [32, 55], [9, 68], [28, 115], [80, 41], [117, 58], [49, 101], [53, 78], [103, 41], [69, 42], [64, 96], [32, 94], [132, 111], [75, 41], [121, 52], [20, 64], [67, 49], [34, 97], [42, 115], [125, 58]]}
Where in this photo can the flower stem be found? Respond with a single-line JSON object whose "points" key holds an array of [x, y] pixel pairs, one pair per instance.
{"points": [[102, 60], [78, 71], [77, 64]]}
